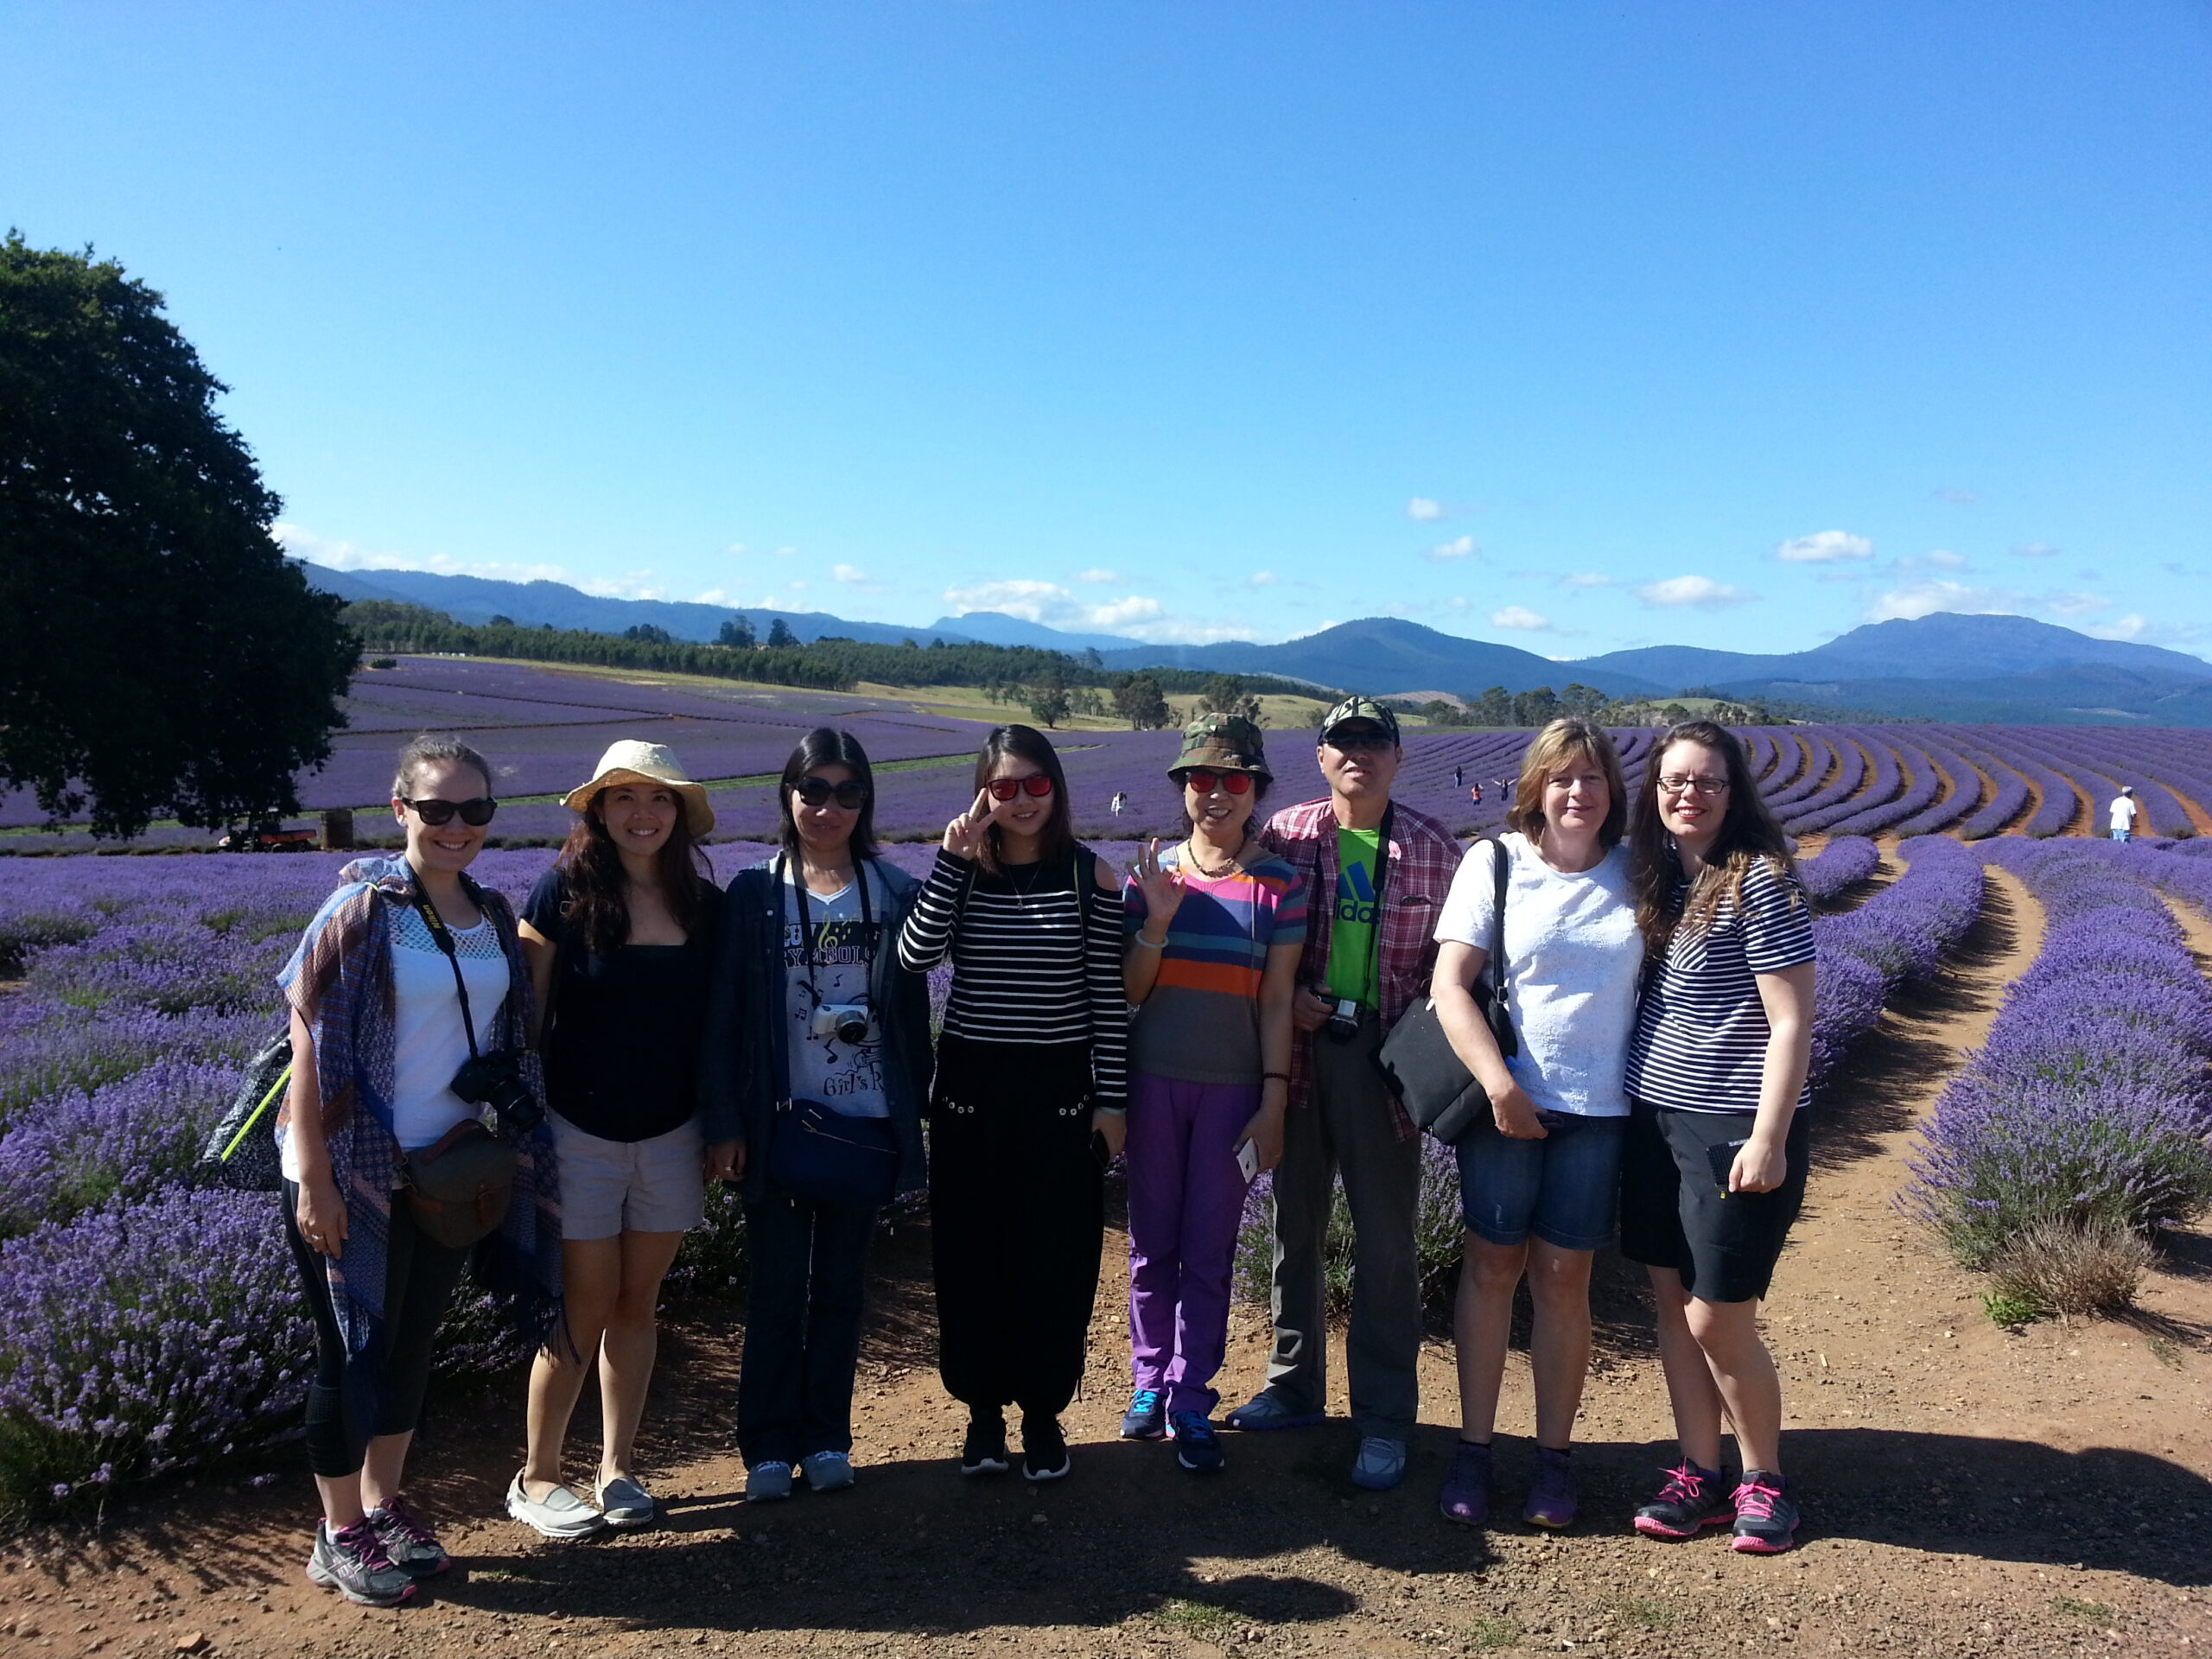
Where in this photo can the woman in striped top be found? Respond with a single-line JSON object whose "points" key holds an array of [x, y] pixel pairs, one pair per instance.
{"points": [[1029, 1078], [1714, 1170], [1216, 926]]}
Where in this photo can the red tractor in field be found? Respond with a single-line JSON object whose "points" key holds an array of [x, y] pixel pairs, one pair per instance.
{"points": [[267, 837]]}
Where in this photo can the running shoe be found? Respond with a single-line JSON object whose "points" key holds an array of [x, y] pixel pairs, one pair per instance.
{"points": [[1766, 1521], [1146, 1417], [1692, 1499], [827, 1472], [1197, 1448], [1381, 1463], [768, 1481], [352, 1561], [1551, 1494], [627, 1504], [561, 1514], [1465, 1494], [984, 1451], [410, 1544], [1044, 1449], [1266, 1411]]}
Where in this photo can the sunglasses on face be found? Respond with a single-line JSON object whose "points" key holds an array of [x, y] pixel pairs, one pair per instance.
{"points": [[1360, 743], [476, 813], [1005, 788], [1236, 783], [819, 791]]}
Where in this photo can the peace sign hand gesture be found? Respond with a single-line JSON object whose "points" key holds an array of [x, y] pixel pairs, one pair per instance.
{"points": [[964, 836], [1162, 887]]}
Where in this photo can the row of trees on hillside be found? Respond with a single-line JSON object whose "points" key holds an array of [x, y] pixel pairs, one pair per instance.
{"points": [[1498, 707]]}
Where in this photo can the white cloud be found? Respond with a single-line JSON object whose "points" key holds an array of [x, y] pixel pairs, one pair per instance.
{"points": [[1262, 579], [1104, 578], [1921, 599], [1422, 511], [2130, 626], [2035, 551], [2075, 604], [1458, 602], [1023, 596], [1823, 547], [1053, 605], [852, 576], [1701, 593], [1121, 612], [1587, 578], [1518, 616], [303, 543], [1459, 547]]}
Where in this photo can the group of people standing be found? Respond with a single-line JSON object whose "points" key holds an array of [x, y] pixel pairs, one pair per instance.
{"points": [[1216, 1014]]}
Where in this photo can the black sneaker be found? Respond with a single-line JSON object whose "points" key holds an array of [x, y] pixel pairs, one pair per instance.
{"points": [[1766, 1521], [1044, 1449], [984, 1451], [1692, 1500]]}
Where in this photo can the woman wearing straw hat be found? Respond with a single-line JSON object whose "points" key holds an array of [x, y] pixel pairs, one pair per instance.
{"points": [[1216, 928], [619, 934]]}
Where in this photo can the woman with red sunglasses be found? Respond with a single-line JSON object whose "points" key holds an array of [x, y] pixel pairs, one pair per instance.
{"points": [[1028, 1079], [1215, 927]]}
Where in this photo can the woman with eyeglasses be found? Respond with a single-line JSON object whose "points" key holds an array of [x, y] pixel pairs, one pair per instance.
{"points": [[620, 937], [1028, 1102], [1713, 1169], [816, 1063], [1216, 926], [380, 1033]]}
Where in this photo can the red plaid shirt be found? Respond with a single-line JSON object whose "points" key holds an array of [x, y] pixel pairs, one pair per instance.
{"points": [[1424, 856]]}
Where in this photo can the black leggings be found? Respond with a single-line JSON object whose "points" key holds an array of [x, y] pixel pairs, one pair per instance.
{"points": [[380, 1391]]}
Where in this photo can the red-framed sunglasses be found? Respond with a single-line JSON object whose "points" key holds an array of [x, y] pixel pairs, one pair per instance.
{"points": [[1198, 778], [1005, 788]]}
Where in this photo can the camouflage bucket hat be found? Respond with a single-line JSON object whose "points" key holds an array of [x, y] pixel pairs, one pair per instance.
{"points": [[1225, 742], [1358, 708]]}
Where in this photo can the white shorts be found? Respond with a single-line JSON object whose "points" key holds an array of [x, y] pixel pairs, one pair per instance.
{"points": [[630, 1187]]}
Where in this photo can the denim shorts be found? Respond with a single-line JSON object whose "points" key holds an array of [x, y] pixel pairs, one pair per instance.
{"points": [[1564, 1188], [609, 1187]]}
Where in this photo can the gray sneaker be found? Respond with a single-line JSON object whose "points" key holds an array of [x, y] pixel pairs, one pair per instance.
{"points": [[561, 1514], [827, 1472], [625, 1503], [414, 1549], [1381, 1463], [352, 1561], [767, 1481]]}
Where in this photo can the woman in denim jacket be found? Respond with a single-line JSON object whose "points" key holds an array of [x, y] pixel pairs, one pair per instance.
{"points": [[808, 959]]}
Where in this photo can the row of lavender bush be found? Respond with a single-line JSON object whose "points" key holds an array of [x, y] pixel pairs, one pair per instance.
{"points": [[1897, 937]]}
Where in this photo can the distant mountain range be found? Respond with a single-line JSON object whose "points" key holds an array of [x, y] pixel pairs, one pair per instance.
{"points": [[2005, 669]]}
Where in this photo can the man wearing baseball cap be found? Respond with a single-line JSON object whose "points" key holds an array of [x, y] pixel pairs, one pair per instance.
{"points": [[1378, 872]]}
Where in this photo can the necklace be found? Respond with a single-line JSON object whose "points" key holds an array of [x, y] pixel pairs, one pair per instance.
{"points": [[1022, 889], [1191, 852]]}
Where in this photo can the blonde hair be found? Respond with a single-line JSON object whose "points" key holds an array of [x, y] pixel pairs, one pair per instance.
{"points": [[1567, 740]]}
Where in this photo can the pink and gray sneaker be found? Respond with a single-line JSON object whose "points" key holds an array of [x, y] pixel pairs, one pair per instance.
{"points": [[1692, 1500], [352, 1561], [1766, 1521]]}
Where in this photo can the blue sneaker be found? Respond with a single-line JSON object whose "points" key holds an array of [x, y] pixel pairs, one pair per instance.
{"points": [[827, 1472], [1381, 1463], [1266, 1411], [1146, 1417], [1196, 1448]]}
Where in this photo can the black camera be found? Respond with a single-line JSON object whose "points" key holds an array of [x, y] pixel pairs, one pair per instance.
{"points": [[1344, 1020], [495, 1081]]}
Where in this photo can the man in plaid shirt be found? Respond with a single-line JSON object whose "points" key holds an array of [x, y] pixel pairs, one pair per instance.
{"points": [[1379, 871]]}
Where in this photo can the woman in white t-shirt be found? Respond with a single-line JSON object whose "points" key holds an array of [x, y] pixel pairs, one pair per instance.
{"points": [[1540, 1177]]}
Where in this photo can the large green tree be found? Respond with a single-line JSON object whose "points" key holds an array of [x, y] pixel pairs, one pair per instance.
{"points": [[162, 657]]}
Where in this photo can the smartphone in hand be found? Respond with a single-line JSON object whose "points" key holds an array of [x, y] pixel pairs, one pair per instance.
{"points": [[1723, 1159], [1248, 1161]]}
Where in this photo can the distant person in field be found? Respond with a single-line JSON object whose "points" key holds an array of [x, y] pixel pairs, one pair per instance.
{"points": [[814, 1032], [1121, 800], [380, 1031], [1713, 1173], [1381, 870], [1540, 1174], [1475, 791], [1459, 777], [2124, 808], [619, 938], [1217, 926], [1028, 1103]]}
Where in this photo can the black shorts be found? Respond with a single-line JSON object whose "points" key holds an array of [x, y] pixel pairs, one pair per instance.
{"points": [[1674, 1213]]}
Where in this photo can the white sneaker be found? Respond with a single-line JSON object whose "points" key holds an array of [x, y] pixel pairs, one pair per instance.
{"points": [[560, 1514]]}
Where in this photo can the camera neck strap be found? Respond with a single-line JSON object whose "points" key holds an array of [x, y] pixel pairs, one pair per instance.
{"points": [[442, 937], [1366, 976], [798, 874]]}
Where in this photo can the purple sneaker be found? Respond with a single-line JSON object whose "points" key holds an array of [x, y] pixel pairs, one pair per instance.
{"points": [[1551, 1494], [1465, 1496]]}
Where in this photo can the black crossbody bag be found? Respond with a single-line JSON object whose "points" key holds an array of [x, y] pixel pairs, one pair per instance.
{"points": [[1419, 1065]]}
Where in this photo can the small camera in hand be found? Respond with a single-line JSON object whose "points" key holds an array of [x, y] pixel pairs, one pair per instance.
{"points": [[846, 1021], [1344, 1020], [495, 1081]]}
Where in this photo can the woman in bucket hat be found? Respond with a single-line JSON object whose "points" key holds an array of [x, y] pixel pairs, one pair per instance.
{"points": [[619, 934], [1215, 928]]}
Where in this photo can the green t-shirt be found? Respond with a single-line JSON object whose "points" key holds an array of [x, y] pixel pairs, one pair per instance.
{"points": [[1354, 969]]}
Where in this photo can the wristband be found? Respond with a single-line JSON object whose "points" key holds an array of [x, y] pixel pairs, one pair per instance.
{"points": [[1267, 1077], [1140, 938]]}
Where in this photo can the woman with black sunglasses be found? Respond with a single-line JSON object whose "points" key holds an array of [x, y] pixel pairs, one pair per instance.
{"points": [[1028, 1101], [817, 1060]]}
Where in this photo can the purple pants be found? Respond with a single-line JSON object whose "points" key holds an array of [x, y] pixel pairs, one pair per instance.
{"points": [[1186, 1195]]}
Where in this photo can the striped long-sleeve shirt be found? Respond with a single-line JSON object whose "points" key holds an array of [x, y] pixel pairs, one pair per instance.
{"points": [[1034, 959]]}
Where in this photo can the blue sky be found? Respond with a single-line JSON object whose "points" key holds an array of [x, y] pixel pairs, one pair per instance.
{"points": [[1573, 326]]}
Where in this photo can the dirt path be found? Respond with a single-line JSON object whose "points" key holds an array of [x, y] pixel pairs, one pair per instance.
{"points": [[1969, 1491]]}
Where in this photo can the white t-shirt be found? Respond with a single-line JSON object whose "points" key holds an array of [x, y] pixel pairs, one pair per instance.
{"points": [[847, 1078], [1572, 954], [2123, 811]]}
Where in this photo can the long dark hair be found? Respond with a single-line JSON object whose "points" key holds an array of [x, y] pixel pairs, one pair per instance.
{"points": [[1748, 833], [826, 745], [597, 909], [1056, 840]]}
